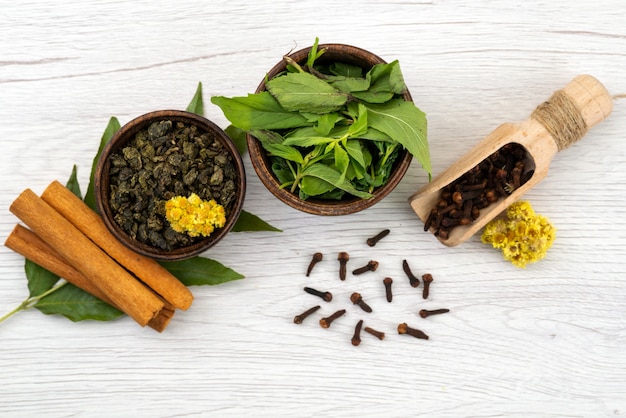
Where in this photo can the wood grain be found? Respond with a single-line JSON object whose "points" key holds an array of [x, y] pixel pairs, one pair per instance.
{"points": [[546, 341]]}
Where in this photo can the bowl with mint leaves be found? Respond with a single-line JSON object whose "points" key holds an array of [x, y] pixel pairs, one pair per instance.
{"points": [[331, 129]]}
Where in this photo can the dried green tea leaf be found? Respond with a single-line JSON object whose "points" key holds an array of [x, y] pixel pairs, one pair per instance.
{"points": [[305, 92], [197, 104], [112, 127], [197, 271], [250, 222], [258, 111]]}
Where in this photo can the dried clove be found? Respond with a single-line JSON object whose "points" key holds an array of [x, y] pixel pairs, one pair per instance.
{"points": [[358, 300], [377, 334], [317, 257], [405, 329], [414, 281], [427, 279], [325, 322], [494, 178], [387, 281], [356, 338], [425, 313], [370, 266], [299, 318], [343, 258], [327, 296], [374, 240]]}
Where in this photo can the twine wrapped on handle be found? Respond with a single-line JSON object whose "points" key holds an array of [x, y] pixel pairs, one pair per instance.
{"points": [[562, 119]]}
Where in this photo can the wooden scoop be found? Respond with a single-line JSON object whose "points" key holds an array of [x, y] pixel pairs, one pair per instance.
{"points": [[553, 126]]}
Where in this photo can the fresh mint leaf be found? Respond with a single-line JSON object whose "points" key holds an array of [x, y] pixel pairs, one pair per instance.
{"points": [[198, 271], [304, 92], [350, 84], [258, 111], [333, 177], [197, 103], [313, 186], [314, 54], [345, 70], [406, 124]]}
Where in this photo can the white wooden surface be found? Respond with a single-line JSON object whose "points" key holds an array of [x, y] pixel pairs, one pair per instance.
{"points": [[547, 341]]}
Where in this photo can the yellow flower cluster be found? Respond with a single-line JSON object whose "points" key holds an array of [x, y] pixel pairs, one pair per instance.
{"points": [[194, 216], [523, 238]]}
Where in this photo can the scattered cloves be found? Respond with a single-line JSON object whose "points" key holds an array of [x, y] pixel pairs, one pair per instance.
{"points": [[370, 266], [343, 258], [405, 329], [387, 281], [414, 281], [299, 318], [374, 240], [356, 338], [327, 296], [425, 313], [358, 300], [325, 322], [378, 334], [427, 279], [317, 257]]}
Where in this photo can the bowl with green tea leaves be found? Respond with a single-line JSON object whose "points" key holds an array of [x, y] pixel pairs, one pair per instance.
{"points": [[170, 184], [331, 129]]}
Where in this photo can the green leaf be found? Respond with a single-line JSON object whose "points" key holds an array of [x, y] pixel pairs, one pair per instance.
{"points": [[355, 151], [72, 184], [305, 92], [39, 279], [359, 127], [406, 124], [258, 111], [112, 127], [313, 186], [346, 70], [197, 104], [77, 305], [239, 138], [314, 54], [284, 151], [326, 122], [351, 84], [385, 82], [333, 177], [341, 160], [197, 271], [249, 222]]}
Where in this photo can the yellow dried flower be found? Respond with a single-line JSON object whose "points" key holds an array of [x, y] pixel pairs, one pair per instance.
{"points": [[194, 216], [524, 237]]}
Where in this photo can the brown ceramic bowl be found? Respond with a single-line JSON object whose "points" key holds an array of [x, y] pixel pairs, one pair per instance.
{"points": [[103, 185], [349, 204]]}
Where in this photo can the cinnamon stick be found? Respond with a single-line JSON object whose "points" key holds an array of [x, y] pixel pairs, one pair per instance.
{"points": [[25, 242], [126, 292], [90, 223]]}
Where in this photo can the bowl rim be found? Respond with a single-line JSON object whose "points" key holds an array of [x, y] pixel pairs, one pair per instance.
{"points": [[321, 206], [102, 186]]}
